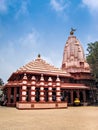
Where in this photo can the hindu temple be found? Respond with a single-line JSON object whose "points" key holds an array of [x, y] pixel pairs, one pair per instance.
{"points": [[39, 84]]}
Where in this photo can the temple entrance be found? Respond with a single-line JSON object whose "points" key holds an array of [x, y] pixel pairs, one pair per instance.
{"points": [[46, 94], [37, 94]]}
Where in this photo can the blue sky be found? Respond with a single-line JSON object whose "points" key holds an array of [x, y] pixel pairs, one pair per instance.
{"points": [[30, 27]]}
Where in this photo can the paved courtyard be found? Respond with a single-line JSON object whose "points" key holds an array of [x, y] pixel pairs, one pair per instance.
{"points": [[72, 118]]}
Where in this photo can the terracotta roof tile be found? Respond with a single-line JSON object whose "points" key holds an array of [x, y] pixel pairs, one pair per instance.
{"points": [[40, 65]]}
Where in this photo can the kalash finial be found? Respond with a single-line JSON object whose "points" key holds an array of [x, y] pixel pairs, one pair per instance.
{"points": [[39, 55], [72, 31]]}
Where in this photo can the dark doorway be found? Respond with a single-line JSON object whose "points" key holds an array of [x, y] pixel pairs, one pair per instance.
{"points": [[37, 94], [89, 96], [68, 97], [46, 94], [28, 94]]}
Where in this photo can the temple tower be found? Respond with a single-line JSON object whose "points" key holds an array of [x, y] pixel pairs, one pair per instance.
{"points": [[73, 56]]}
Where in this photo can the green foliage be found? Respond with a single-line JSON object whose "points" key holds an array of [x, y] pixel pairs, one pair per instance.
{"points": [[1, 82], [1, 92], [92, 58]]}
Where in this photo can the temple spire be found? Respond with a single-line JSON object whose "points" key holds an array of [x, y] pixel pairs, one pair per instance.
{"points": [[73, 55]]}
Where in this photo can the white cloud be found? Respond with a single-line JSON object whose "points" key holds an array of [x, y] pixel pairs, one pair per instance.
{"points": [[59, 5], [91, 4]]}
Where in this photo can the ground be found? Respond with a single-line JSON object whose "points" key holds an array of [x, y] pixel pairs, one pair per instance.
{"points": [[72, 118]]}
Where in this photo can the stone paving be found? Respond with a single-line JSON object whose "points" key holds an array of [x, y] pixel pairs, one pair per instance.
{"points": [[72, 118]]}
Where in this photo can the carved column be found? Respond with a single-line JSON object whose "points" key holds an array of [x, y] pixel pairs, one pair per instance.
{"points": [[58, 93], [50, 89], [24, 89], [33, 84], [42, 96]]}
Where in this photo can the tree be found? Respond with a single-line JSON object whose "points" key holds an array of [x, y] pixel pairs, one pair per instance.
{"points": [[1, 92], [1, 82], [92, 58]]}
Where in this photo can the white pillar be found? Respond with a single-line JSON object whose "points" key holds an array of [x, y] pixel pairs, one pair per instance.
{"points": [[50, 89], [58, 92], [24, 89], [33, 85], [42, 96]]}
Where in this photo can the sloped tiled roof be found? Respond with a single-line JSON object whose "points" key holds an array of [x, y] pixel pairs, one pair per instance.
{"points": [[41, 66], [74, 86]]}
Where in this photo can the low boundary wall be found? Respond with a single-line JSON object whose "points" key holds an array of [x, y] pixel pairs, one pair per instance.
{"points": [[26, 105]]}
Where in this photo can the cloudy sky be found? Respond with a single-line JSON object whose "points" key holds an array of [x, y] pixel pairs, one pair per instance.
{"points": [[32, 27]]}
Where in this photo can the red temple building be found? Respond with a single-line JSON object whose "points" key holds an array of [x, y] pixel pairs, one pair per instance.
{"points": [[41, 85]]}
